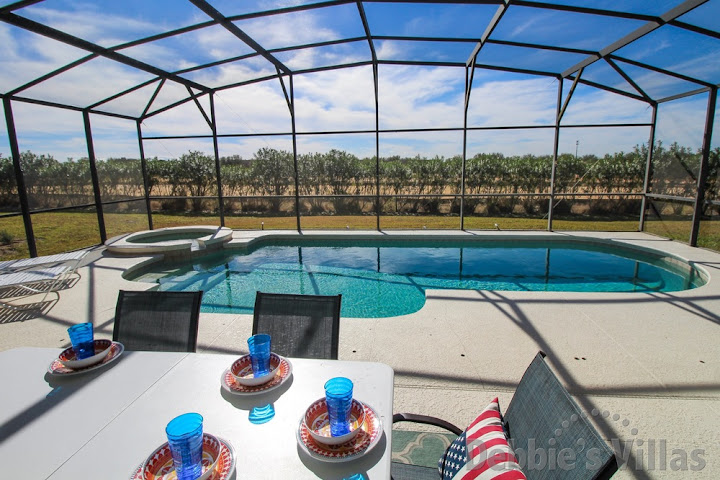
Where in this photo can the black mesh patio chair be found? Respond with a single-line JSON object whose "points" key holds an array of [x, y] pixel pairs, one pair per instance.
{"points": [[301, 326], [157, 321], [541, 416]]}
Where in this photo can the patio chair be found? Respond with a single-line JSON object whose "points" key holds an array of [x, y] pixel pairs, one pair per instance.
{"points": [[157, 321], [301, 326], [542, 416]]}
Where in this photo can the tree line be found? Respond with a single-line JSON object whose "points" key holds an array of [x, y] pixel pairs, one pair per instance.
{"points": [[269, 174]]}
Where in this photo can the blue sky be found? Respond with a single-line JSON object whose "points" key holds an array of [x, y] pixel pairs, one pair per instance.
{"points": [[410, 96]]}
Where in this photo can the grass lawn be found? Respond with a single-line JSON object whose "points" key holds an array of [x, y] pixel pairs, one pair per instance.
{"points": [[63, 231]]}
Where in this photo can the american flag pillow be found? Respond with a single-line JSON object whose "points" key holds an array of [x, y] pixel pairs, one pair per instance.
{"points": [[482, 451]]}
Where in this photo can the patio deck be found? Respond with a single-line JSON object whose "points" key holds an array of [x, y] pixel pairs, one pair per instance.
{"points": [[647, 365]]}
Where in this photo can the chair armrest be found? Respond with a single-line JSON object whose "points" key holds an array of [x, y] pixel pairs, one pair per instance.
{"points": [[424, 419]]}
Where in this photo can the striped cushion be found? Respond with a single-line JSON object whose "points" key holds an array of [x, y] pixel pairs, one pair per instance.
{"points": [[482, 451]]}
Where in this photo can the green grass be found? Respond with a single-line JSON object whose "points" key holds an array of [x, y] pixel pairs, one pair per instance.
{"points": [[63, 231]]}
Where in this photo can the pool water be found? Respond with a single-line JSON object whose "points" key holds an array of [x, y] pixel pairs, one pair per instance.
{"points": [[167, 236], [385, 278]]}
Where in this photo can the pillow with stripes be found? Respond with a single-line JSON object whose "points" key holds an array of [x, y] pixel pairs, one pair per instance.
{"points": [[482, 451]]}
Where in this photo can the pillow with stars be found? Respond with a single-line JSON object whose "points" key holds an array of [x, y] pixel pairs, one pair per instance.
{"points": [[482, 451]]}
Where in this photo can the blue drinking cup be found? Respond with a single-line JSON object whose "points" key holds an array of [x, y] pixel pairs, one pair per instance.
{"points": [[81, 336], [185, 437], [338, 397], [259, 346]]}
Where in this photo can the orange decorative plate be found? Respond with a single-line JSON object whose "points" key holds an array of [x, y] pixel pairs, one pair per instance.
{"points": [[361, 444], [218, 462], [60, 370], [228, 382]]}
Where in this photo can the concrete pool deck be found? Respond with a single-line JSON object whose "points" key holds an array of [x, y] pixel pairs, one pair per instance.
{"points": [[648, 365]]}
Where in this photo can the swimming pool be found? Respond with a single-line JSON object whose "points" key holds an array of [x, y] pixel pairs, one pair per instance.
{"points": [[388, 277]]}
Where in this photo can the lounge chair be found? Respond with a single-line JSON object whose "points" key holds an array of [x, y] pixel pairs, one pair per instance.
{"points": [[30, 276], [46, 260], [541, 419], [31, 282]]}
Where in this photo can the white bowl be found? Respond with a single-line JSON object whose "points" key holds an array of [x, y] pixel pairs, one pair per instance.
{"points": [[317, 422], [241, 369], [69, 358]]}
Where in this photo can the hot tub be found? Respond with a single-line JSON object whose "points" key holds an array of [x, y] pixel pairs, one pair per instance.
{"points": [[172, 240]]}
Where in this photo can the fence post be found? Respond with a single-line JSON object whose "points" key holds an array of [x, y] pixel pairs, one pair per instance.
{"points": [[94, 176], [648, 169], [19, 177], [556, 146], [469, 75], [295, 159], [218, 177], [143, 167], [703, 174]]}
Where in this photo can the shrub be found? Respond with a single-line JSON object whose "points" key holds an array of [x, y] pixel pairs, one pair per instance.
{"points": [[6, 238]]}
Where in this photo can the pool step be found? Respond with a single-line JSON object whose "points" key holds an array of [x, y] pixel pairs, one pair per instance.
{"points": [[197, 245]]}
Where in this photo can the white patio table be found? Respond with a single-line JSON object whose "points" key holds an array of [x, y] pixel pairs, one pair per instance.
{"points": [[104, 423]]}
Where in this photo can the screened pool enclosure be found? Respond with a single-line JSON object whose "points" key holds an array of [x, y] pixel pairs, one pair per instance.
{"points": [[367, 114]]}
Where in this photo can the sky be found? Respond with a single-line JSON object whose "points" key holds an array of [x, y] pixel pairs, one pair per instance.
{"points": [[410, 97]]}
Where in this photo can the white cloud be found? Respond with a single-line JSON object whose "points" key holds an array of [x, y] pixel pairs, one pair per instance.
{"points": [[257, 108], [420, 97], [513, 102], [233, 73], [589, 105], [387, 50], [648, 49], [326, 56], [288, 29], [532, 22], [185, 119], [220, 43], [25, 56], [52, 131], [91, 82], [336, 100], [161, 56], [705, 67], [114, 137], [683, 121], [88, 22]]}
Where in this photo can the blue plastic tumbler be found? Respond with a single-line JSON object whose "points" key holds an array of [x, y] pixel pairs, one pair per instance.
{"points": [[185, 437], [81, 336], [259, 346], [338, 397]]}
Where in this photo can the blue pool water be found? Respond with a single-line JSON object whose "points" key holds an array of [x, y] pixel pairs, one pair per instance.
{"points": [[385, 278]]}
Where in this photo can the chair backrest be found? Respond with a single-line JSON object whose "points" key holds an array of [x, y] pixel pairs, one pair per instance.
{"points": [[301, 326], [545, 424], [157, 321]]}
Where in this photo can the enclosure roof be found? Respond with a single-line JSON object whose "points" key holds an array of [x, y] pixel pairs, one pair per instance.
{"points": [[160, 54]]}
